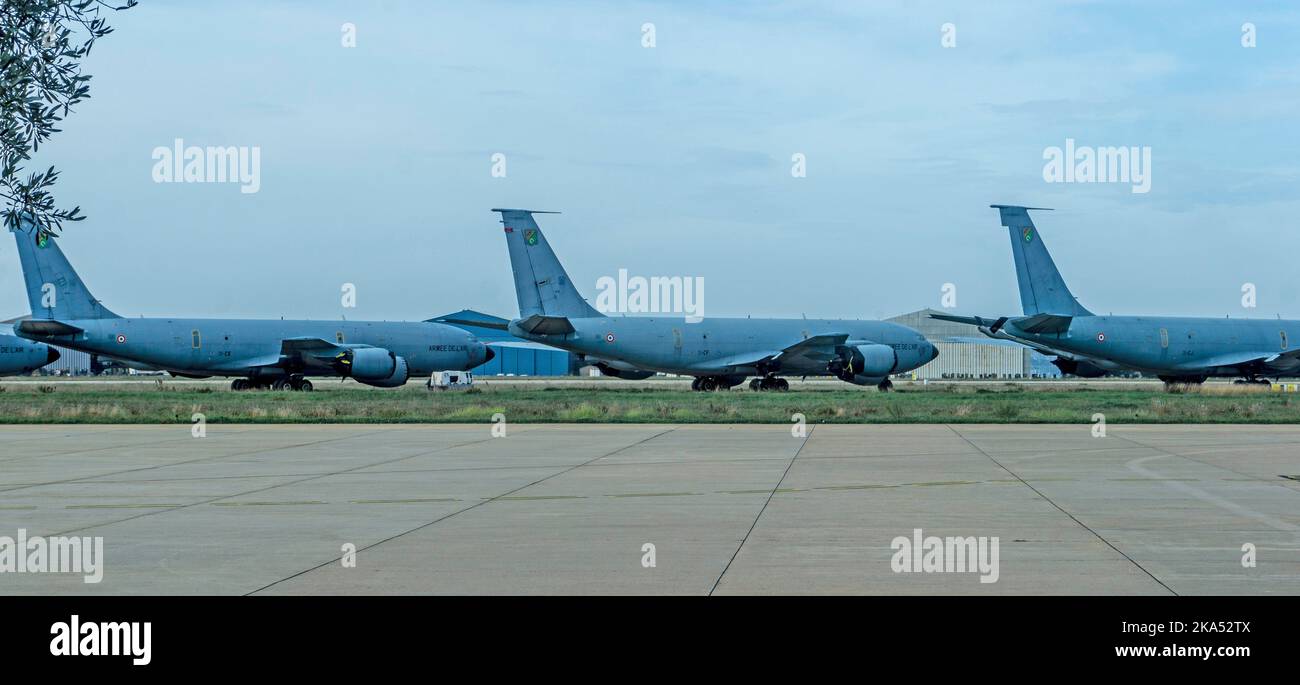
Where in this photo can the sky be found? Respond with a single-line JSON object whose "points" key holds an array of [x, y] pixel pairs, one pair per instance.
{"points": [[676, 160]]}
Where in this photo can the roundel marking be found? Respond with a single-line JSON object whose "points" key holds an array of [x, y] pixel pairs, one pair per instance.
{"points": [[609, 337], [1101, 337], [121, 338]]}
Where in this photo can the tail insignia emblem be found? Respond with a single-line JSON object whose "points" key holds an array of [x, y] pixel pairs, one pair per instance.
{"points": [[530, 236], [1029, 234]]}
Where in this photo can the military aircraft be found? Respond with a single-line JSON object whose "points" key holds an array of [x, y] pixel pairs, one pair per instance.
{"points": [[18, 356], [1179, 350], [719, 353], [258, 353]]}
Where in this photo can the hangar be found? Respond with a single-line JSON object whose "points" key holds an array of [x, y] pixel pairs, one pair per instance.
{"points": [[511, 361], [964, 354]]}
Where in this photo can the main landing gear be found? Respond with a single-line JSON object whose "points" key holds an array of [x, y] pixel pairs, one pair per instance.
{"points": [[1252, 380], [885, 385], [1173, 382], [291, 383], [711, 383], [769, 382]]}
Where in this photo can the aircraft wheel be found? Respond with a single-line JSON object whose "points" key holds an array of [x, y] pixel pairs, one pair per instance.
{"points": [[781, 384], [708, 384], [695, 384], [305, 385], [756, 384], [282, 384], [239, 384], [885, 385]]}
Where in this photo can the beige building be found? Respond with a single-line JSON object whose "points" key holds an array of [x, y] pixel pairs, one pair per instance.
{"points": [[962, 354]]}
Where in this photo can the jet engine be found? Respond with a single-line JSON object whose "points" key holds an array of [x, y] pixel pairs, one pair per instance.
{"points": [[1082, 369], [863, 364], [373, 366]]}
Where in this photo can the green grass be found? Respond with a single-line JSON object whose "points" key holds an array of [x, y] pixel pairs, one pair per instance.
{"points": [[70, 402]]}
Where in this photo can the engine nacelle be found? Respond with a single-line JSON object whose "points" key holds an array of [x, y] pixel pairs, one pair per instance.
{"points": [[863, 364], [1082, 369], [373, 366], [396, 378]]}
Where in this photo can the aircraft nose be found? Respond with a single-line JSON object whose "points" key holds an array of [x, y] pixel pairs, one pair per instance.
{"points": [[488, 354], [934, 352], [53, 356]]}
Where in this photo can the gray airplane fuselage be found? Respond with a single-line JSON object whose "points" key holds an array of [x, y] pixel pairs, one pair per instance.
{"points": [[718, 352], [20, 356], [246, 347], [1177, 349], [713, 346], [1169, 345], [273, 352]]}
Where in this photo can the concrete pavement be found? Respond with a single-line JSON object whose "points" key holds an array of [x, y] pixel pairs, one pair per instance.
{"points": [[728, 509]]}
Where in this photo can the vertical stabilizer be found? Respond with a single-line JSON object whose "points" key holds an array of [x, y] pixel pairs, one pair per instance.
{"points": [[541, 284], [1042, 290], [54, 290]]}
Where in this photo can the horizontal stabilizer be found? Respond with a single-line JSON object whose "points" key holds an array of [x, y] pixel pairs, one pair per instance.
{"points": [[994, 325], [1043, 323], [46, 327], [968, 320], [540, 324], [496, 325]]}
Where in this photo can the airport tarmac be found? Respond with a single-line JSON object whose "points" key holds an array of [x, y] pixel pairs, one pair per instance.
{"points": [[569, 509]]}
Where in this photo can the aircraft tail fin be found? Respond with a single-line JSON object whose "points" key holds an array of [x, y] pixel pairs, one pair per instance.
{"points": [[1042, 290], [542, 286], [54, 290]]}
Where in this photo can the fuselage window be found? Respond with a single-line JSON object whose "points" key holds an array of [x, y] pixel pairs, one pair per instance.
{"points": [[1283, 333], [1164, 338], [195, 334], [338, 337]]}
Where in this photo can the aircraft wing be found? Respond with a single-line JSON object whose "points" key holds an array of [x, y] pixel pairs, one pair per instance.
{"points": [[1271, 361], [818, 348], [311, 352]]}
